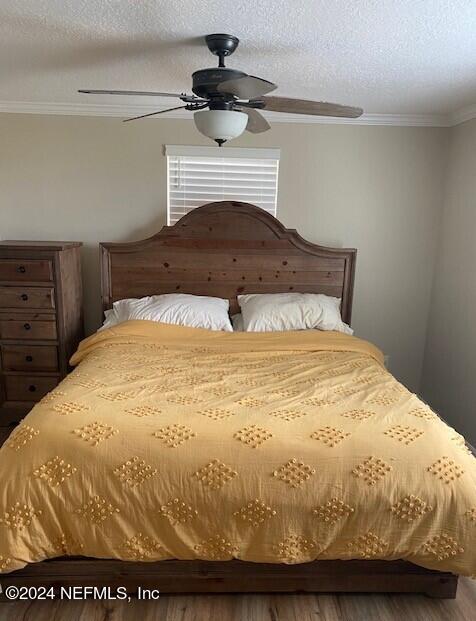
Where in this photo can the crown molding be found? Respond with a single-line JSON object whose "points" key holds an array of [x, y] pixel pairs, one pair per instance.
{"points": [[462, 115], [401, 120], [126, 110]]}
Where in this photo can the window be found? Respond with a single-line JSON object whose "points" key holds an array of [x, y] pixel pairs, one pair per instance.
{"points": [[199, 175]]}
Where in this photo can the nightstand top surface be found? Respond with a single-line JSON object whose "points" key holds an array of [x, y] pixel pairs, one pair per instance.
{"points": [[39, 245]]}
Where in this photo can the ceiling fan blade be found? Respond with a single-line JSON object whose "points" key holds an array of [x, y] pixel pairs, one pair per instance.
{"points": [[247, 87], [256, 121], [143, 116], [305, 106], [151, 93]]}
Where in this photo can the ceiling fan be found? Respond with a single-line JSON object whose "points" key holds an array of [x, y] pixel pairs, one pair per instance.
{"points": [[226, 102]]}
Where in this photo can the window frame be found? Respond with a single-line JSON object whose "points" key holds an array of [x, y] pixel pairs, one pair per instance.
{"points": [[221, 152]]}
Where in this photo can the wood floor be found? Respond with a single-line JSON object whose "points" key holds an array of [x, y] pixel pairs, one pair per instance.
{"points": [[256, 608]]}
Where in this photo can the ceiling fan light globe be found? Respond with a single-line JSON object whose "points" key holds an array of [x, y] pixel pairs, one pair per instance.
{"points": [[220, 124]]}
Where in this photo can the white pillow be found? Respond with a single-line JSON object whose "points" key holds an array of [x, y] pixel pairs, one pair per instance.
{"points": [[182, 309], [275, 312]]}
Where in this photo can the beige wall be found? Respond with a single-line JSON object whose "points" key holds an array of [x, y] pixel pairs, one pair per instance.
{"points": [[378, 189], [449, 378]]}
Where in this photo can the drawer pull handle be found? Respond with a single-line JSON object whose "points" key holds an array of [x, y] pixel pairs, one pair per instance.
{"points": [[29, 358], [32, 388], [27, 326], [21, 269], [24, 297]]}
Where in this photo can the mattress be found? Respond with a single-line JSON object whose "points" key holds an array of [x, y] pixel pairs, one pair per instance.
{"points": [[172, 442]]}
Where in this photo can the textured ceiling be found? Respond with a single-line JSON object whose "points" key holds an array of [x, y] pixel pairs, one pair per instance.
{"points": [[388, 56]]}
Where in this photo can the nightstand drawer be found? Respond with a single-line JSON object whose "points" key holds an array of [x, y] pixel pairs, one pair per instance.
{"points": [[28, 387], [31, 330], [27, 297], [29, 357], [29, 270]]}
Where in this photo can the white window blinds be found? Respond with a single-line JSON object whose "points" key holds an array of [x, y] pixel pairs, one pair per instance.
{"points": [[199, 175]]}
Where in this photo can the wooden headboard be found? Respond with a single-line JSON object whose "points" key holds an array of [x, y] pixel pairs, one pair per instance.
{"points": [[225, 249]]}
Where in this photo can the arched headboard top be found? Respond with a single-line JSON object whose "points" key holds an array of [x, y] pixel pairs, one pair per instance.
{"points": [[225, 249]]}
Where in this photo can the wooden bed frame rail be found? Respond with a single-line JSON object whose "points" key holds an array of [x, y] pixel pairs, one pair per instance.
{"points": [[238, 576]]}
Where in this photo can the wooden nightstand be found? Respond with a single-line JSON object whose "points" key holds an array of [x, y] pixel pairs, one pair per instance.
{"points": [[41, 320]]}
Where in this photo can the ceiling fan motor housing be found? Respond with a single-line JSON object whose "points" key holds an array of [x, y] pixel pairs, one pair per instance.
{"points": [[205, 81]]}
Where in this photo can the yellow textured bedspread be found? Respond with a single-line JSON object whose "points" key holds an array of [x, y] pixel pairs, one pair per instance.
{"points": [[172, 442]]}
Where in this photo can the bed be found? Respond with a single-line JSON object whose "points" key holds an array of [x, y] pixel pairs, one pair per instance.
{"points": [[228, 440]]}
